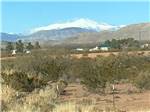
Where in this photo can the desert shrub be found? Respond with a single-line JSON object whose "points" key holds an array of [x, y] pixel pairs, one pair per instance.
{"points": [[142, 81], [91, 76], [7, 65], [73, 70], [43, 66], [94, 73], [3, 106], [61, 85], [20, 81], [34, 70]]}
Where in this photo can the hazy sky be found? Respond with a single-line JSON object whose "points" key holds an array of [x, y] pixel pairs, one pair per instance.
{"points": [[18, 17]]}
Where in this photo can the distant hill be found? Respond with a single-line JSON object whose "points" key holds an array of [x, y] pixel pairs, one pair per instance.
{"points": [[9, 37], [56, 34], [60, 31], [137, 31]]}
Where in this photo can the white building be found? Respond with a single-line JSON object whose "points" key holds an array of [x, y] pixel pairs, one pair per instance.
{"points": [[94, 49], [79, 49], [145, 46], [104, 48], [28, 52], [14, 52]]}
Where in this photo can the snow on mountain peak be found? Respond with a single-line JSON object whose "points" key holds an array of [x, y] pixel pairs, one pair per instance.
{"points": [[81, 23]]}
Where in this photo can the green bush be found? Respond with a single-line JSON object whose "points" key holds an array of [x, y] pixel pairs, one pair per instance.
{"points": [[94, 73], [45, 67], [21, 81], [142, 81], [91, 75], [33, 71]]}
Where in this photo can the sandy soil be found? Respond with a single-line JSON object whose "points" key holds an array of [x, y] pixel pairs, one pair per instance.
{"points": [[123, 101], [94, 55]]}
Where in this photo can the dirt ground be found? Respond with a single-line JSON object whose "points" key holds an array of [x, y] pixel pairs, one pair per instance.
{"points": [[94, 55], [124, 101]]}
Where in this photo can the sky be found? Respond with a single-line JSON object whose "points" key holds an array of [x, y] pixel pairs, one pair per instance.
{"points": [[19, 17]]}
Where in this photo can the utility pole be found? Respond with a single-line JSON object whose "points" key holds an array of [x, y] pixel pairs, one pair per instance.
{"points": [[114, 107]]}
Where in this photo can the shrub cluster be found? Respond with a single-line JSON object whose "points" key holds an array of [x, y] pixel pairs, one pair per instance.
{"points": [[142, 81], [30, 72], [22, 82], [35, 70]]}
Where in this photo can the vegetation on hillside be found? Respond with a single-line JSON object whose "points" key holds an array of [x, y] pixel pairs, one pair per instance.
{"points": [[20, 46], [122, 43]]}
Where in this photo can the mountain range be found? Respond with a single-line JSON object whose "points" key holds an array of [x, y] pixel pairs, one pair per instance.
{"points": [[139, 31], [82, 31], [9, 37]]}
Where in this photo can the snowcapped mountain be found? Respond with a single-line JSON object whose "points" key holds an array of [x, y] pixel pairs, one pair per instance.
{"points": [[57, 34], [61, 31], [89, 33], [80, 23]]}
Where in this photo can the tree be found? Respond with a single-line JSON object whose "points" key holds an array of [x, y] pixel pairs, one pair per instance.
{"points": [[29, 46], [123, 43], [37, 45], [9, 47], [107, 43], [19, 46], [115, 44]]}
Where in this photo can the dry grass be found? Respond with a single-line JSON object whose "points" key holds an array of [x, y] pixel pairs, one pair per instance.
{"points": [[44, 100], [7, 93], [7, 71], [73, 107]]}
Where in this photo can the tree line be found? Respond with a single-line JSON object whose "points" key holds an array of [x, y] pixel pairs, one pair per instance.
{"points": [[122, 43], [19, 46]]}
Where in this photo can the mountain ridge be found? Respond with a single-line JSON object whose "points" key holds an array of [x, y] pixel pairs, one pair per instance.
{"points": [[77, 35], [80, 23], [137, 31]]}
